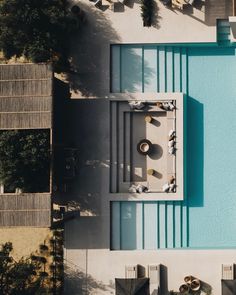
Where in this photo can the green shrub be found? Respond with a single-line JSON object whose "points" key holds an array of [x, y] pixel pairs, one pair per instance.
{"points": [[147, 7], [25, 160]]}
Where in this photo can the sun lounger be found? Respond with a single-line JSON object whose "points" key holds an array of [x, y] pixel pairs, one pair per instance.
{"points": [[98, 3], [190, 2], [179, 4]]}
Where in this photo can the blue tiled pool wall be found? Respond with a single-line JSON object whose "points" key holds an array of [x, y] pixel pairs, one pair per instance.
{"points": [[206, 219]]}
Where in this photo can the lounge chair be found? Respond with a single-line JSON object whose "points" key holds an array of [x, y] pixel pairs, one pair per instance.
{"points": [[179, 3], [98, 3], [117, 6], [190, 2]]}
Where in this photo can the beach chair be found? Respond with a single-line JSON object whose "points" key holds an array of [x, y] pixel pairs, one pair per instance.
{"points": [[98, 3], [179, 4], [190, 2]]}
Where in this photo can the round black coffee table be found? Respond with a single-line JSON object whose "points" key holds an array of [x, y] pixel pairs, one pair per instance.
{"points": [[144, 147]]}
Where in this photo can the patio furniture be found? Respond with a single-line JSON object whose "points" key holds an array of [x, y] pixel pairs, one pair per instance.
{"points": [[144, 147], [150, 171], [179, 4], [148, 119], [98, 3], [70, 162], [117, 6], [135, 105]]}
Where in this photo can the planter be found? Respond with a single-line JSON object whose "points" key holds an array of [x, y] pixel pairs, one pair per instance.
{"points": [[195, 285], [184, 289], [188, 279]]}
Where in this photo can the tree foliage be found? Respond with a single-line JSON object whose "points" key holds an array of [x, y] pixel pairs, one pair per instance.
{"points": [[25, 160], [36, 29], [20, 277]]}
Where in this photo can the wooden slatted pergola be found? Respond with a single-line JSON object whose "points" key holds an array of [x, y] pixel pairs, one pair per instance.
{"points": [[26, 102]]}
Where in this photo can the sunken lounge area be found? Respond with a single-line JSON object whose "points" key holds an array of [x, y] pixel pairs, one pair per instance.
{"points": [[146, 146]]}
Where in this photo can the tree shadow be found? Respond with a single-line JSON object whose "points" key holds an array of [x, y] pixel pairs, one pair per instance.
{"points": [[83, 125], [130, 72], [90, 53], [78, 282], [206, 288], [156, 17]]}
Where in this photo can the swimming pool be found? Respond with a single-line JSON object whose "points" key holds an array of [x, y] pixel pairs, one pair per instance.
{"points": [[207, 217]]}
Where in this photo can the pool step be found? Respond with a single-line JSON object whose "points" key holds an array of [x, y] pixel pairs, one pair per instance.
{"points": [[172, 224], [162, 68], [223, 32], [172, 72], [167, 219]]}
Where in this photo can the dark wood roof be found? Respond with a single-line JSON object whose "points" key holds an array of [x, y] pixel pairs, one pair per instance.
{"points": [[26, 92], [25, 210]]}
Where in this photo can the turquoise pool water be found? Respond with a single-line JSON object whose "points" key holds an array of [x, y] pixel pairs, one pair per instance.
{"points": [[207, 217]]}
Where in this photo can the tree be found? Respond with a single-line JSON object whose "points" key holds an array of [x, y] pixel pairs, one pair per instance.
{"points": [[36, 29], [25, 160], [20, 277]]}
